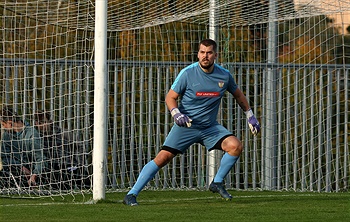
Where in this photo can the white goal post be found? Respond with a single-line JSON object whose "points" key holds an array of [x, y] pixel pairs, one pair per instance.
{"points": [[100, 102], [100, 70]]}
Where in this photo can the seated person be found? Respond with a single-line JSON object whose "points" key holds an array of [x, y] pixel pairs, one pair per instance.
{"points": [[61, 148], [21, 148]]}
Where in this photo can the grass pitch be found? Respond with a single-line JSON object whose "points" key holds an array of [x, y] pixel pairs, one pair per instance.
{"points": [[184, 206]]}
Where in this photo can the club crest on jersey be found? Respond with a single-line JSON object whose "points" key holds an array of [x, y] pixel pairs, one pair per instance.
{"points": [[221, 84]]}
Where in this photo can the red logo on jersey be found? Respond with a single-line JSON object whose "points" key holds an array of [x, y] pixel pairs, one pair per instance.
{"points": [[207, 94]]}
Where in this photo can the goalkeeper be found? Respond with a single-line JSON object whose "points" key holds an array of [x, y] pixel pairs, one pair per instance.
{"points": [[201, 86]]}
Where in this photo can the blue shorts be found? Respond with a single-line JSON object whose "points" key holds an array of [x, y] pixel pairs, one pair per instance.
{"points": [[181, 138]]}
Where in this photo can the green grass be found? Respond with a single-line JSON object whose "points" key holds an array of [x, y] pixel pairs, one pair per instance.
{"points": [[184, 206]]}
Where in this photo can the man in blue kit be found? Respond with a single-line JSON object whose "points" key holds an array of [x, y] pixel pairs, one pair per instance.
{"points": [[201, 87]]}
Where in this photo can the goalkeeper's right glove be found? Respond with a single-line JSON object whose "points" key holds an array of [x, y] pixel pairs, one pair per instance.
{"points": [[180, 119]]}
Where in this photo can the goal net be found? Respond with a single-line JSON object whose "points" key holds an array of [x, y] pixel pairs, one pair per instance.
{"points": [[291, 59]]}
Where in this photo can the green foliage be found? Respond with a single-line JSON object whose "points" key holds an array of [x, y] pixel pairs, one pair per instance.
{"points": [[174, 41]]}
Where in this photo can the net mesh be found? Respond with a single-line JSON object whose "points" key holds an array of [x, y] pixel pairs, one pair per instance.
{"points": [[46, 63]]}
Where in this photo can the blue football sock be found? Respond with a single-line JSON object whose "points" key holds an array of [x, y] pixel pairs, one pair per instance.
{"points": [[146, 174], [226, 165]]}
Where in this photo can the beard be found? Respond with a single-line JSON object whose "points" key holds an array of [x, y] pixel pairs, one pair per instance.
{"points": [[204, 66]]}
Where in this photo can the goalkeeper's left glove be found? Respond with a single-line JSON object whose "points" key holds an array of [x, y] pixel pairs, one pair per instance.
{"points": [[252, 122]]}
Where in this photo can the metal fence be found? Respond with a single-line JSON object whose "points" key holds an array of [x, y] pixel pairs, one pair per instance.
{"points": [[309, 131]]}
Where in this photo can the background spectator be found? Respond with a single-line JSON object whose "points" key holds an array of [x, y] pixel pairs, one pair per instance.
{"points": [[21, 148], [65, 152]]}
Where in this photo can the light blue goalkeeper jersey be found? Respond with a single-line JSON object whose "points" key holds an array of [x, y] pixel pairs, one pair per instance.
{"points": [[201, 93]]}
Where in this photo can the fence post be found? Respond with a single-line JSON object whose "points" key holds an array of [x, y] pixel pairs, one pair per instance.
{"points": [[212, 155], [270, 158]]}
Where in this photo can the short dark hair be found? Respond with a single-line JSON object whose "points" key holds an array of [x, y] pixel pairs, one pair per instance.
{"points": [[208, 42], [41, 115], [9, 115]]}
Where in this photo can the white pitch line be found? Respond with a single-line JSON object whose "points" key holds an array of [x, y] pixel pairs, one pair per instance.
{"points": [[171, 199]]}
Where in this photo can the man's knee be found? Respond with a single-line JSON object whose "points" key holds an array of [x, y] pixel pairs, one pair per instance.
{"points": [[163, 158], [232, 145]]}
